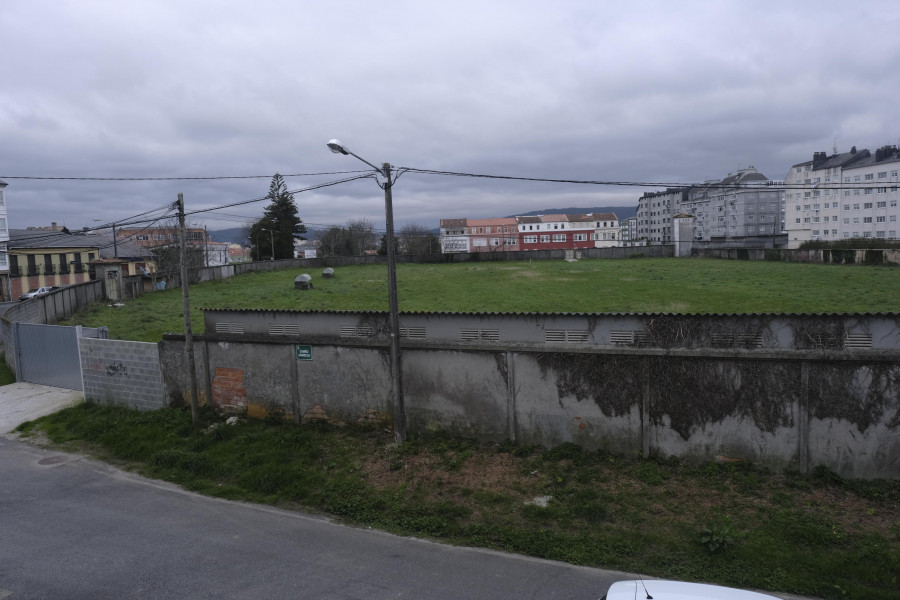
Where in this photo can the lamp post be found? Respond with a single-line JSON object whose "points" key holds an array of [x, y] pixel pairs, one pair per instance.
{"points": [[393, 310]]}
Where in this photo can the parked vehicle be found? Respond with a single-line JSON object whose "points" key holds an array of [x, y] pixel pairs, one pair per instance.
{"points": [[34, 293], [660, 589]]}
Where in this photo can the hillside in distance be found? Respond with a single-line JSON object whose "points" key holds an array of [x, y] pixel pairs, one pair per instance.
{"points": [[622, 212]]}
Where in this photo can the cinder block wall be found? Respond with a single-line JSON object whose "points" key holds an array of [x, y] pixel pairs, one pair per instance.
{"points": [[122, 372]]}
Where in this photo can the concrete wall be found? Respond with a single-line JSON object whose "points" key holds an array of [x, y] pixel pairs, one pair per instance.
{"points": [[858, 257], [782, 408], [122, 372]]}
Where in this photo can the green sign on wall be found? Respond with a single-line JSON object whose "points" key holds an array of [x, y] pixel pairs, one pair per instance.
{"points": [[304, 352]]}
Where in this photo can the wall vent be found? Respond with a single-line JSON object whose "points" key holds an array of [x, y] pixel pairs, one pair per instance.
{"points": [[284, 329], [858, 341], [475, 335], [565, 336], [631, 338], [237, 328], [735, 340], [363, 331], [413, 333]]}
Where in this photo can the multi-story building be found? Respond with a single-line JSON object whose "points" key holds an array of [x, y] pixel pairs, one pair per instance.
{"points": [[653, 221], [541, 232], [628, 231], [454, 235], [4, 232], [152, 237], [493, 235], [746, 209], [39, 258], [848, 195]]}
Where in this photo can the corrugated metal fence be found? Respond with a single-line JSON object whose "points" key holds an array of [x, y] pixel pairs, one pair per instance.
{"points": [[49, 354]]}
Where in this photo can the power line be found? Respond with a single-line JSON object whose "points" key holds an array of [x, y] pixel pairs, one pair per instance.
{"points": [[210, 178]]}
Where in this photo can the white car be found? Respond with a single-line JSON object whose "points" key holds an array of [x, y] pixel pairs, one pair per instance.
{"points": [[34, 293], [660, 589]]}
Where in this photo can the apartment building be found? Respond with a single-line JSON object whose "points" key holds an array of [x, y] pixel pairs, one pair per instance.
{"points": [[842, 196], [454, 235], [540, 232], [151, 237], [4, 231], [493, 235], [745, 208]]}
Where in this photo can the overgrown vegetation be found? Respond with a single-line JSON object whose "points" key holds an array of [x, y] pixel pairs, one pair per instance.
{"points": [[6, 374], [649, 285], [815, 535], [851, 244]]}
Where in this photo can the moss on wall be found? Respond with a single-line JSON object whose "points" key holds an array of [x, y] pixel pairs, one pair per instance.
{"points": [[613, 382], [862, 395], [694, 392]]}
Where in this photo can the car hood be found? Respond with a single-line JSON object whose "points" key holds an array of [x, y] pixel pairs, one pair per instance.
{"points": [[660, 589]]}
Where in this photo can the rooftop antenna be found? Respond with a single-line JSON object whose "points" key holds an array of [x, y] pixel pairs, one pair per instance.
{"points": [[834, 148]]}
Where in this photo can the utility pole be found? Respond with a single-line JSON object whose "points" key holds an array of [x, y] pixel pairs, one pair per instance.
{"points": [[186, 307], [115, 242], [393, 310]]}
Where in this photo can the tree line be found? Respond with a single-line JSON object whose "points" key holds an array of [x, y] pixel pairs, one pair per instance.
{"points": [[273, 236]]}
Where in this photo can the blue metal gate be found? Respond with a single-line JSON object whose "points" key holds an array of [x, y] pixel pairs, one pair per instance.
{"points": [[49, 354]]}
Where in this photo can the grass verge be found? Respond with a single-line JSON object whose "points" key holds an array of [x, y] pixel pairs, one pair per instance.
{"points": [[734, 525]]}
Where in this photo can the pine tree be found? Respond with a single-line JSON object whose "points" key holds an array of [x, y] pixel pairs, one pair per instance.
{"points": [[280, 224]]}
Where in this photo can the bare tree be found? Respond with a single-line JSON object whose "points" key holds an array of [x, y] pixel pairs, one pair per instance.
{"points": [[417, 239], [333, 242], [361, 236]]}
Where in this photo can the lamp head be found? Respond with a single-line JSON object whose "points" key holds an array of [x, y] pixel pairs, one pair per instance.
{"points": [[336, 147]]}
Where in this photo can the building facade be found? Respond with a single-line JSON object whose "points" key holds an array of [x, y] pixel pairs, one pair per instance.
{"points": [[39, 258], [539, 232], [4, 231], [746, 209], [843, 196]]}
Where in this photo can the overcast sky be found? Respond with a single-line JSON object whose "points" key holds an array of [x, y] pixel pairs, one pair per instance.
{"points": [[565, 89]]}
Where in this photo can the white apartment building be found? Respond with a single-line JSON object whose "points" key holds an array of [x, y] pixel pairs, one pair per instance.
{"points": [[4, 230], [843, 196]]}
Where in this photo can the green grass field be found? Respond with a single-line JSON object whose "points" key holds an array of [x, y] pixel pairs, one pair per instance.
{"points": [[634, 285]]}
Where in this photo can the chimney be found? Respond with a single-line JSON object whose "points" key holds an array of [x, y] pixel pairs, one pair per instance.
{"points": [[53, 226], [853, 150], [818, 159]]}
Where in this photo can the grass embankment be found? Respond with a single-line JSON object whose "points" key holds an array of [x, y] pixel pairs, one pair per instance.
{"points": [[732, 525], [646, 285]]}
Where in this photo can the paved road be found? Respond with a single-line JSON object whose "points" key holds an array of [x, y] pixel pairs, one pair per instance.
{"points": [[75, 528]]}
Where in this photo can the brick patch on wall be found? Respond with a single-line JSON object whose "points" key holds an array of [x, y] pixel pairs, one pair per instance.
{"points": [[228, 391]]}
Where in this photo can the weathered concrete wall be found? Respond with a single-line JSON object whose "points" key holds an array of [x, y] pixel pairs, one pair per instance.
{"points": [[858, 257], [122, 372], [792, 409]]}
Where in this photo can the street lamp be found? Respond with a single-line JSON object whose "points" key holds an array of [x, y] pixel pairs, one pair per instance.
{"points": [[394, 314]]}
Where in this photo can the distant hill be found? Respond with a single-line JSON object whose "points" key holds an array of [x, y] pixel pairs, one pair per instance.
{"points": [[622, 212]]}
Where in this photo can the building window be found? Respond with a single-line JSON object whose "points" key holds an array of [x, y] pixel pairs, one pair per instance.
{"points": [[579, 237], [869, 176], [559, 237], [545, 239], [530, 239]]}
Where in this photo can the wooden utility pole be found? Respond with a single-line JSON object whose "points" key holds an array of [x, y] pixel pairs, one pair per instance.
{"points": [[186, 307]]}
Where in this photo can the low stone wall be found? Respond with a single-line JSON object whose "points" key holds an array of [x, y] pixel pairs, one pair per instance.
{"points": [[122, 373]]}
